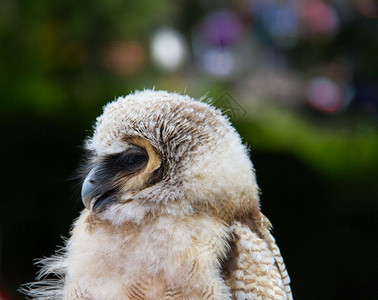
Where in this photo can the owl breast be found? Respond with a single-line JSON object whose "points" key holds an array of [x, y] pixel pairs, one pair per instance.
{"points": [[161, 258]]}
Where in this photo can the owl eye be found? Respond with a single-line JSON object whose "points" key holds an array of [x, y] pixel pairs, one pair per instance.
{"points": [[133, 159]]}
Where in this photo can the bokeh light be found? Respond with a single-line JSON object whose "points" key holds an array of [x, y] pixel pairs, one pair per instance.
{"points": [[216, 45], [319, 18], [325, 95], [125, 58], [168, 49], [368, 8]]}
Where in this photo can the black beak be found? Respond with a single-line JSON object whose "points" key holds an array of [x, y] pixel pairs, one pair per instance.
{"points": [[94, 194]]}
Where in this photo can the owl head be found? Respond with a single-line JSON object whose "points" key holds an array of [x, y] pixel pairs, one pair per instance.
{"points": [[157, 153]]}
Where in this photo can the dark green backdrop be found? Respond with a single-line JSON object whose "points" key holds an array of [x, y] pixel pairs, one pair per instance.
{"points": [[318, 173]]}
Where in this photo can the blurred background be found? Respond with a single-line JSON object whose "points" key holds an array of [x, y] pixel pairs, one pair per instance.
{"points": [[298, 79]]}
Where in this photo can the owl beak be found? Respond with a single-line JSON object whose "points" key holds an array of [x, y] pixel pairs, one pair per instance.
{"points": [[96, 195], [88, 188]]}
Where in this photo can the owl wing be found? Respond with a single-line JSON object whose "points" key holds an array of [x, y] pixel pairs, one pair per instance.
{"points": [[255, 268]]}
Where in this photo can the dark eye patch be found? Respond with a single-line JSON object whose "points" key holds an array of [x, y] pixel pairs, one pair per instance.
{"points": [[130, 161], [108, 168]]}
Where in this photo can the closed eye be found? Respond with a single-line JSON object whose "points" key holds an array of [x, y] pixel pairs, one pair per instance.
{"points": [[130, 161], [133, 159]]}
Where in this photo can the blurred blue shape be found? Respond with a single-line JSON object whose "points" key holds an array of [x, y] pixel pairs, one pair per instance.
{"points": [[282, 24]]}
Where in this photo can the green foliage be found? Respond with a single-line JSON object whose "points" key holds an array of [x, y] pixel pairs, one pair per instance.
{"points": [[333, 150], [50, 51]]}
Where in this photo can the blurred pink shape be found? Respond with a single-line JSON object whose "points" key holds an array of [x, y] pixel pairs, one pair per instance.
{"points": [[4, 295], [367, 8], [125, 58], [319, 17], [325, 95]]}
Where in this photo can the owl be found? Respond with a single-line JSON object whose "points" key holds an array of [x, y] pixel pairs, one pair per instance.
{"points": [[171, 211]]}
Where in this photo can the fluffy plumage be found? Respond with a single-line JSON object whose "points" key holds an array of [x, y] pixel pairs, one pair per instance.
{"points": [[172, 211]]}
